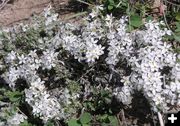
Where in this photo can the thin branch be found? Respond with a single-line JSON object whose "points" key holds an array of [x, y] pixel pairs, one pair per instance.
{"points": [[4, 2], [161, 122], [165, 20], [85, 2], [85, 73], [76, 15], [119, 121], [153, 118], [20, 111], [123, 117], [174, 4]]}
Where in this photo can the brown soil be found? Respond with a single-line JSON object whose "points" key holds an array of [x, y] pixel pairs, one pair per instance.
{"points": [[20, 10]]}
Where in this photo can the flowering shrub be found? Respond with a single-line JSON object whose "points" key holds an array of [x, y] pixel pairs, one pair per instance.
{"points": [[57, 65]]}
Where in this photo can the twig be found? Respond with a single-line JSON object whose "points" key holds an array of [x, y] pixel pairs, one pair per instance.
{"points": [[118, 4], [4, 2], [119, 121], [164, 80], [174, 4], [20, 111], [153, 118], [85, 73], [129, 16], [85, 2], [164, 16], [161, 122], [123, 117], [76, 15]]}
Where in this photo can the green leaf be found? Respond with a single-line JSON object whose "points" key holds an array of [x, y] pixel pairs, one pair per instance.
{"points": [[90, 105], [177, 27], [85, 118], [13, 96], [49, 123], [177, 30], [177, 37], [111, 2], [25, 123], [113, 120], [135, 20], [105, 124], [149, 18], [178, 16], [177, 50], [73, 122], [103, 118], [130, 28], [110, 7], [85, 125]]}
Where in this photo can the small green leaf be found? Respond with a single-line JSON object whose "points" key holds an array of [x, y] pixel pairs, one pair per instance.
{"points": [[25, 123], [178, 16], [103, 118], [135, 20], [85, 118], [177, 50], [111, 2], [90, 105], [105, 124], [85, 125], [130, 28], [149, 18], [73, 122], [13, 96], [177, 27], [177, 30], [49, 123], [110, 7], [113, 120], [177, 37]]}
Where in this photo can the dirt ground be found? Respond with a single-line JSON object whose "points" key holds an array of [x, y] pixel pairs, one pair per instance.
{"points": [[20, 10]]}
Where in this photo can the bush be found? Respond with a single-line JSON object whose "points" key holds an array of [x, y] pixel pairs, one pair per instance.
{"points": [[54, 71]]}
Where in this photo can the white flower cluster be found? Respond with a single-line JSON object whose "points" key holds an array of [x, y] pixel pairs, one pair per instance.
{"points": [[16, 119], [10, 116], [49, 58], [82, 41], [152, 62], [148, 56], [44, 106], [50, 18], [123, 94], [119, 41], [21, 66], [26, 66]]}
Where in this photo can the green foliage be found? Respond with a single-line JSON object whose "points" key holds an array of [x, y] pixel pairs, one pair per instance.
{"points": [[149, 18], [99, 101], [108, 120], [113, 120], [85, 118], [73, 122], [99, 111], [49, 123], [177, 31], [25, 123], [13, 96], [73, 86], [178, 16], [135, 21]]}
